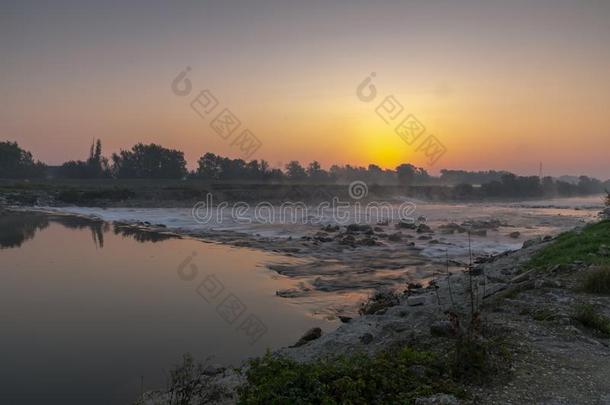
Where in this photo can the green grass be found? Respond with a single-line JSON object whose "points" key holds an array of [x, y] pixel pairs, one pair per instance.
{"points": [[597, 281], [397, 376], [590, 318], [572, 245]]}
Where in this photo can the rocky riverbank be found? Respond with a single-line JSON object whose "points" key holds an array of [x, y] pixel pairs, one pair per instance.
{"points": [[556, 355]]}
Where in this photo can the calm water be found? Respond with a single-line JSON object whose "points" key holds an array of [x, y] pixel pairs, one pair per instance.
{"points": [[87, 311]]}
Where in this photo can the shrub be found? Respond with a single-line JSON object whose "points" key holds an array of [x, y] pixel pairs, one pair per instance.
{"points": [[394, 376]]}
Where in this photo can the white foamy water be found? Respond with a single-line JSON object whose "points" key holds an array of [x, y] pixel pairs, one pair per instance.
{"points": [[529, 218]]}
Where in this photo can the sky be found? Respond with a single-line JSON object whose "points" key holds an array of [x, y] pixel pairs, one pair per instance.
{"points": [[499, 85]]}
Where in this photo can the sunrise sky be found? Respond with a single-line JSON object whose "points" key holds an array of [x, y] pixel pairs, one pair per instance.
{"points": [[503, 85]]}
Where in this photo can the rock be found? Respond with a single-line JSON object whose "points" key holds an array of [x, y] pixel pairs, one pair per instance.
{"points": [[367, 242], [451, 228], [547, 238], [385, 222], [563, 268], [348, 240], [416, 300], [603, 250], [378, 229], [442, 328], [395, 237], [292, 292], [311, 334], [330, 228], [366, 338], [355, 228], [405, 225], [522, 277], [345, 319], [322, 237], [437, 399], [423, 228], [531, 242], [515, 234]]}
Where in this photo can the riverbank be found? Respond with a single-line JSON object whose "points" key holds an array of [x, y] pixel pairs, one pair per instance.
{"points": [[163, 193], [339, 265], [553, 331]]}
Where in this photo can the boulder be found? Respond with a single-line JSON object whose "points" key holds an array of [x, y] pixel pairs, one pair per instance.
{"points": [[311, 334]]}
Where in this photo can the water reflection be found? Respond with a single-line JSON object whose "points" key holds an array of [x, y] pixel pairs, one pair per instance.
{"points": [[96, 227], [19, 227], [84, 325], [16, 228]]}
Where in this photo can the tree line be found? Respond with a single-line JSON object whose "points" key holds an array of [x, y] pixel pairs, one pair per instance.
{"points": [[152, 161]]}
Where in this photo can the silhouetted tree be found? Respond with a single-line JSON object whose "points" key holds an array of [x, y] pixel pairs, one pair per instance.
{"points": [[463, 176], [16, 163], [587, 185], [95, 167], [406, 173], [295, 172], [208, 167], [315, 173], [149, 162]]}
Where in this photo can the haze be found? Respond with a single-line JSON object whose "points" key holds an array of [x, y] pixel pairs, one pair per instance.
{"points": [[503, 86]]}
